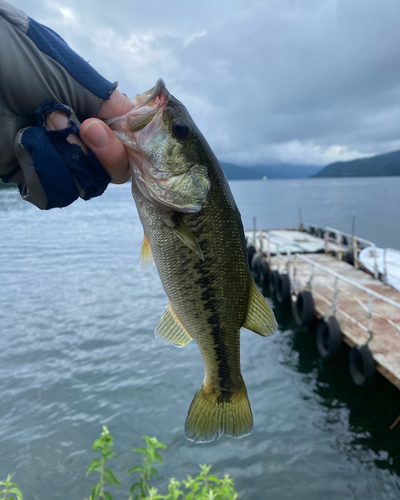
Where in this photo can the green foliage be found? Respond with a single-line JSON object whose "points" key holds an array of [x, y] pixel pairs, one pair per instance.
{"points": [[9, 490], [146, 470], [104, 445], [204, 486]]}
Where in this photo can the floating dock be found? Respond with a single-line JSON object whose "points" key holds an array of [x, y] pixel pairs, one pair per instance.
{"points": [[320, 272]]}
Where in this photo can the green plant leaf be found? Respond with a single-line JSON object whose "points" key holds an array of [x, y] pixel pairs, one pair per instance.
{"points": [[15, 490], [110, 478], [135, 486], [95, 491], [137, 468], [108, 453], [141, 450], [95, 465], [214, 478], [107, 495], [98, 444], [205, 469], [154, 472]]}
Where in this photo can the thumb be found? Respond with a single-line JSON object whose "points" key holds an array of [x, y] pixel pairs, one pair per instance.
{"points": [[98, 137], [108, 149]]}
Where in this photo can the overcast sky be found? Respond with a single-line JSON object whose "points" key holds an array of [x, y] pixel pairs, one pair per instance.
{"points": [[298, 81]]}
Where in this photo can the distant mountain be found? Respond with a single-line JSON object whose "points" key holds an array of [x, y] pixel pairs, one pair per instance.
{"points": [[380, 165], [288, 170], [272, 171], [234, 172]]}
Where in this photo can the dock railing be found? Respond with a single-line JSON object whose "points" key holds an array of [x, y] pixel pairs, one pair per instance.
{"points": [[342, 242], [277, 252], [341, 239], [339, 242], [336, 289]]}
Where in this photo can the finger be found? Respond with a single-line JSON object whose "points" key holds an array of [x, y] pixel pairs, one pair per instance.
{"points": [[108, 149], [58, 120], [117, 105]]}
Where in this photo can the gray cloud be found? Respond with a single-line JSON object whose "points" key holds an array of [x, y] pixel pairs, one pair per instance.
{"points": [[274, 80]]}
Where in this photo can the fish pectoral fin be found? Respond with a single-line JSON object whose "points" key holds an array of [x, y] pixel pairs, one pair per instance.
{"points": [[260, 318], [146, 255], [171, 329], [186, 236]]}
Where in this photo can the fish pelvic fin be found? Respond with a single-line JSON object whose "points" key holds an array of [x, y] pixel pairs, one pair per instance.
{"points": [[171, 329], [260, 318], [211, 416], [146, 255]]}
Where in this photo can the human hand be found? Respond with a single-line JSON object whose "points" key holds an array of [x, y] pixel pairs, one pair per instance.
{"points": [[46, 91], [99, 138]]}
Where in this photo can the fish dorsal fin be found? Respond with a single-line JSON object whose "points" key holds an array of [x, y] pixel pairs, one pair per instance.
{"points": [[171, 329], [260, 319], [146, 255], [186, 236]]}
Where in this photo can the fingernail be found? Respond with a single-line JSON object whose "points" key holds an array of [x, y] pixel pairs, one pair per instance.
{"points": [[95, 136]]}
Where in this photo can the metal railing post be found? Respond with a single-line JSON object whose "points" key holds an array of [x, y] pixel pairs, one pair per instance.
{"points": [[339, 240], [355, 252], [294, 274], [384, 265], [369, 317]]}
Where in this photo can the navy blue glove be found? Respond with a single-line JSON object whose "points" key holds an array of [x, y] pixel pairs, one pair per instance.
{"points": [[40, 73]]}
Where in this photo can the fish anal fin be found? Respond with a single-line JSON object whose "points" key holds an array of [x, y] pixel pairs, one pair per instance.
{"points": [[260, 318], [146, 255], [186, 236], [171, 329], [211, 417]]}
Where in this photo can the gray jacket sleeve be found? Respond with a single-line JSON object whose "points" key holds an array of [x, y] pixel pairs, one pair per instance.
{"points": [[38, 74]]}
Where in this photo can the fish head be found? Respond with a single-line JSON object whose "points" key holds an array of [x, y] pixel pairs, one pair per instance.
{"points": [[168, 162]]}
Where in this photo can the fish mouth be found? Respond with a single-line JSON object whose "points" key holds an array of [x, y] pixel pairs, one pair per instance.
{"points": [[147, 97], [147, 105]]}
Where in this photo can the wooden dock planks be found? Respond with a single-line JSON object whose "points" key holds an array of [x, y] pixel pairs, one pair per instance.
{"points": [[352, 307]]}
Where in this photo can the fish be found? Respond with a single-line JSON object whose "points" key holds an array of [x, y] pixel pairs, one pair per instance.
{"points": [[194, 234]]}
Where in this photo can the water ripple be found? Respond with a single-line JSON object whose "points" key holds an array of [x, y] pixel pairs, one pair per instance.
{"points": [[77, 350]]}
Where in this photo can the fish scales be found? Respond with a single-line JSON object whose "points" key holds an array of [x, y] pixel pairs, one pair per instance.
{"points": [[220, 283], [194, 232]]}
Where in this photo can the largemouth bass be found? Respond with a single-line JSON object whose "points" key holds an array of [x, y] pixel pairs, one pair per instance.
{"points": [[193, 230]]}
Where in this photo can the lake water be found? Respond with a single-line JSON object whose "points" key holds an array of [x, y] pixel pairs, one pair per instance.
{"points": [[77, 351]]}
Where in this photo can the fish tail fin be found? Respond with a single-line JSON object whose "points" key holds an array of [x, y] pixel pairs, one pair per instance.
{"points": [[211, 416]]}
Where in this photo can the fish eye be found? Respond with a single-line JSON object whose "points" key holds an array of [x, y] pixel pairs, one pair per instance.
{"points": [[180, 129]]}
